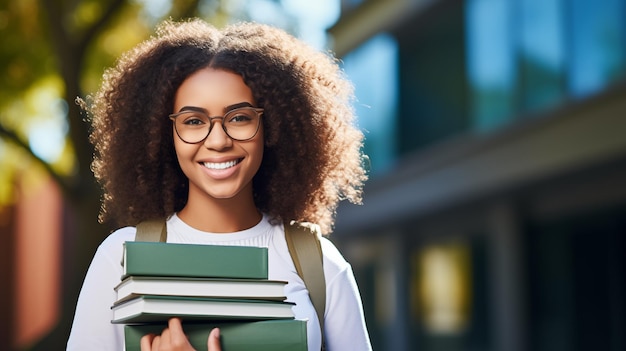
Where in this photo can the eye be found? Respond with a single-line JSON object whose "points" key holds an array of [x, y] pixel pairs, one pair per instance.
{"points": [[239, 117], [193, 120]]}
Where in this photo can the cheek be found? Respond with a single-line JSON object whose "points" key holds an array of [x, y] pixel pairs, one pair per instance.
{"points": [[258, 157], [177, 145], [183, 151], [259, 147]]}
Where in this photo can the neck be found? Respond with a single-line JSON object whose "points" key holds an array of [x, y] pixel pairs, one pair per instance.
{"points": [[220, 215]]}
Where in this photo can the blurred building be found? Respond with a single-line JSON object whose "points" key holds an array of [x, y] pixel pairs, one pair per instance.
{"points": [[32, 258], [495, 215]]}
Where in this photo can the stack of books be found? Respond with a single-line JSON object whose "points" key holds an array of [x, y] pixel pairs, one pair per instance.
{"points": [[206, 286]]}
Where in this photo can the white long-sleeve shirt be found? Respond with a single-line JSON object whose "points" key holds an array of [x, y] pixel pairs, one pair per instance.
{"points": [[344, 322]]}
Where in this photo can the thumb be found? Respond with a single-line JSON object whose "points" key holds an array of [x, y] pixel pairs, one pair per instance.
{"points": [[213, 343]]}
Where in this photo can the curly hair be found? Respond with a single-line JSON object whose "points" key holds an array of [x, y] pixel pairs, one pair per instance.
{"points": [[312, 149]]}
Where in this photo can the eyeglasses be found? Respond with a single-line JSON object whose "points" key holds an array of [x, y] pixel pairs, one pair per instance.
{"points": [[194, 126]]}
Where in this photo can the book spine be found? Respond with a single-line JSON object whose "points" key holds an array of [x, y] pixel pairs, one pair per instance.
{"points": [[280, 335], [187, 260]]}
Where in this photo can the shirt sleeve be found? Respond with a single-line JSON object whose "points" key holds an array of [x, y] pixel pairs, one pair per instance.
{"points": [[92, 328], [344, 321]]}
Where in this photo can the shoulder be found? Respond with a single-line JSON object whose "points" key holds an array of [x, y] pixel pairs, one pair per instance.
{"points": [[112, 245], [334, 262], [119, 236]]}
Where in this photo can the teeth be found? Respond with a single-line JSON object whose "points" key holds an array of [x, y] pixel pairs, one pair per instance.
{"points": [[222, 165]]}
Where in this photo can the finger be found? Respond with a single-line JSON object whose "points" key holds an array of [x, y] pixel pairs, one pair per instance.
{"points": [[156, 343], [177, 335], [175, 325], [213, 344], [146, 342], [164, 338]]}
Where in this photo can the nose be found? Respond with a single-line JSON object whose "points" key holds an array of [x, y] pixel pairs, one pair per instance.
{"points": [[217, 138]]}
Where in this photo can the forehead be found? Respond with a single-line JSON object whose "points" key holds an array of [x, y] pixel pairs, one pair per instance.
{"points": [[215, 91]]}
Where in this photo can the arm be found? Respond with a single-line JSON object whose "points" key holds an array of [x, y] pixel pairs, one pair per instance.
{"points": [[344, 321], [92, 328]]}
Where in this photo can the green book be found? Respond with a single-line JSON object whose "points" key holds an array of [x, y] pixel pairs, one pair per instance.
{"points": [[158, 308], [276, 335], [191, 260]]}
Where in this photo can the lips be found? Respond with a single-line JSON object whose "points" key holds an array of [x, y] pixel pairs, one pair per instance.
{"points": [[221, 165]]}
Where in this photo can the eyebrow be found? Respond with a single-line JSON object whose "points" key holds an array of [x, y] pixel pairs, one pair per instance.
{"points": [[226, 109]]}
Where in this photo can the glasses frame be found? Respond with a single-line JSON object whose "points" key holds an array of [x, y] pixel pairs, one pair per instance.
{"points": [[259, 112]]}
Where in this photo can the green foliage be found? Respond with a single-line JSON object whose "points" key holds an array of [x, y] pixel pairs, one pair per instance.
{"points": [[33, 76], [25, 54]]}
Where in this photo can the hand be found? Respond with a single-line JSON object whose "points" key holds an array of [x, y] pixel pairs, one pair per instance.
{"points": [[173, 339]]}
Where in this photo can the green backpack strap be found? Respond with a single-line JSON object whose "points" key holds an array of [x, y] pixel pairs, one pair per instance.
{"points": [[303, 241]]}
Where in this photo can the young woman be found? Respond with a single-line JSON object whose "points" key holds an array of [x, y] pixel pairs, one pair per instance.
{"points": [[226, 133]]}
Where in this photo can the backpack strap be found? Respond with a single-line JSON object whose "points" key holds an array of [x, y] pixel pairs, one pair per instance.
{"points": [[303, 241], [152, 230]]}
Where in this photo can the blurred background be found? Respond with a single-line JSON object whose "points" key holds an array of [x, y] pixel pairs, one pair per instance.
{"points": [[495, 214]]}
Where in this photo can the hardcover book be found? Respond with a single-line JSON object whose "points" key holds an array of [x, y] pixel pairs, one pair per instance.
{"points": [[274, 335], [154, 308], [192, 260], [201, 287]]}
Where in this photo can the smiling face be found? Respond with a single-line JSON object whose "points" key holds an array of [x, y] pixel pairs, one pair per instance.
{"points": [[218, 168]]}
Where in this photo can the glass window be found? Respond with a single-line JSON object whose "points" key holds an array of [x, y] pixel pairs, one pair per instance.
{"points": [[598, 53], [447, 295], [442, 290], [479, 65], [490, 63], [433, 95], [373, 70], [542, 53]]}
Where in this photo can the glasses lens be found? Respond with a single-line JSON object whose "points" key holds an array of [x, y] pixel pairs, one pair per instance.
{"points": [[239, 124], [192, 127]]}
